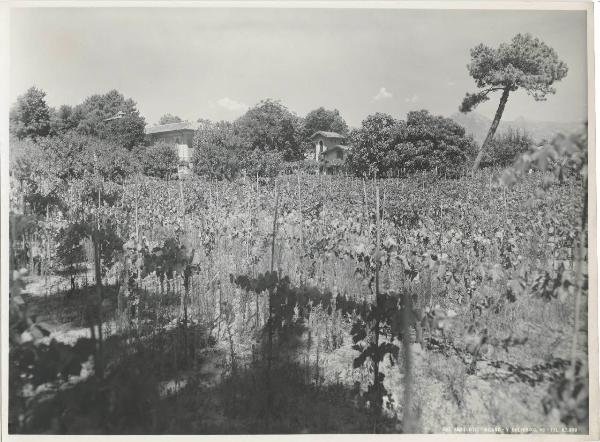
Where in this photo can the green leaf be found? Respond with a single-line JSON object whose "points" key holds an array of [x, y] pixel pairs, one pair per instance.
{"points": [[359, 360]]}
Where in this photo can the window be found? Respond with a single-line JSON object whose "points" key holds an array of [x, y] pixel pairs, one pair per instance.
{"points": [[340, 155], [320, 146], [177, 140]]}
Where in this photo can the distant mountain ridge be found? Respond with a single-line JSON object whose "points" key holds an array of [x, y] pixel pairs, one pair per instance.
{"points": [[478, 125]]}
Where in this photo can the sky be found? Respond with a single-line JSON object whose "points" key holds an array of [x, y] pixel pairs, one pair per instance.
{"points": [[214, 63]]}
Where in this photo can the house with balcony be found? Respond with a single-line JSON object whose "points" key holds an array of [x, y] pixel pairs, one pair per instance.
{"points": [[330, 151]]}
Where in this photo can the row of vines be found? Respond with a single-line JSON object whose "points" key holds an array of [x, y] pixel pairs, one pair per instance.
{"points": [[286, 274]]}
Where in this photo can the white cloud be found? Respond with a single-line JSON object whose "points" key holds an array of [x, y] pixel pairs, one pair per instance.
{"points": [[412, 99], [382, 94], [232, 105]]}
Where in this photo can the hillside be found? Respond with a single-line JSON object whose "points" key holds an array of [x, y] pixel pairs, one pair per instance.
{"points": [[478, 125]]}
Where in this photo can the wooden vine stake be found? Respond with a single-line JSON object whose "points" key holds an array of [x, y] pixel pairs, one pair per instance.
{"points": [[580, 283], [408, 425], [376, 381], [365, 208], [270, 323]]}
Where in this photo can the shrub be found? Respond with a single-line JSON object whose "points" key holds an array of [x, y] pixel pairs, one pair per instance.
{"points": [[221, 152], [72, 155], [301, 166], [159, 160], [216, 162], [506, 147], [69, 250], [429, 142], [112, 161], [263, 163], [25, 158], [334, 165]]}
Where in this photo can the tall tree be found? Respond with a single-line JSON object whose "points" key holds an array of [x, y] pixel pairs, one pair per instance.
{"points": [[168, 118], [372, 144], [95, 117], [271, 126], [219, 150], [127, 131], [62, 120], [526, 62], [30, 115]]}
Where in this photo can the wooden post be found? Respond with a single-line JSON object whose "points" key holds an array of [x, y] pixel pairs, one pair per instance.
{"points": [[270, 322], [376, 382], [137, 190], [47, 246], [365, 207], [182, 204]]}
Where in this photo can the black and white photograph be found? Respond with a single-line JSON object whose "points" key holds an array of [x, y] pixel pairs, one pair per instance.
{"points": [[321, 218]]}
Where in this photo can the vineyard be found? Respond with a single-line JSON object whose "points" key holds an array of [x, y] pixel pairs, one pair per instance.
{"points": [[302, 304]]}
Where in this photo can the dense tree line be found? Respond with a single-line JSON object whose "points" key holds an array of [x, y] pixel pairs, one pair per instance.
{"points": [[270, 139], [31, 117], [90, 123], [267, 140]]}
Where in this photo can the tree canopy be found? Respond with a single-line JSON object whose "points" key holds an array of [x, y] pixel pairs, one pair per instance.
{"points": [[271, 126], [168, 118], [324, 119], [94, 115], [372, 144], [218, 149], [62, 120], [30, 115], [526, 62], [424, 141], [429, 142]]}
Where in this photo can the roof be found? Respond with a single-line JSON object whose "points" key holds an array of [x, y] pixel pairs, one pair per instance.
{"points": [[325, 134], [171, 127], [116, 116]]}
